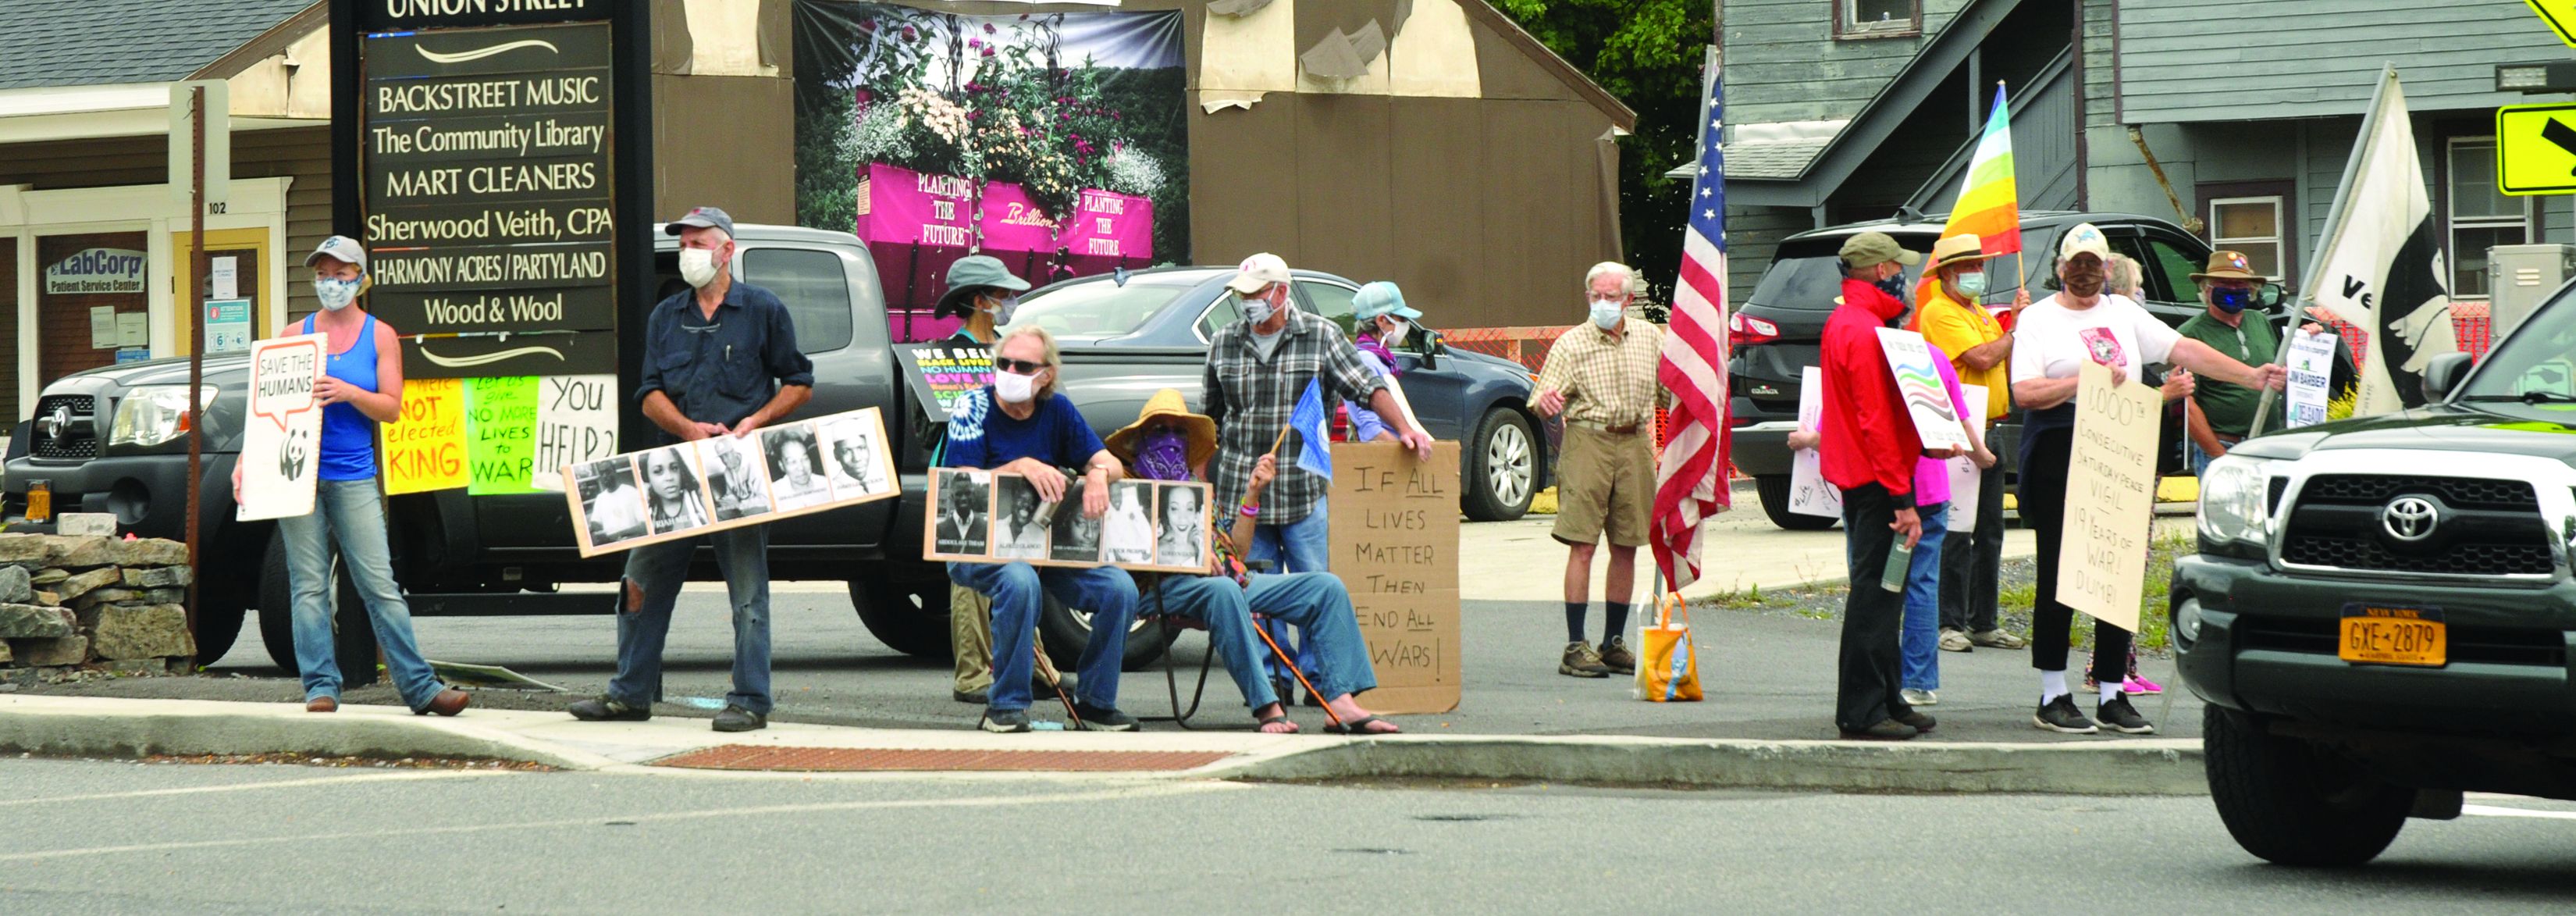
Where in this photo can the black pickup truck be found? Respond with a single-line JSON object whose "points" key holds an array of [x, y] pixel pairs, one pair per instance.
{"points": [[2381, 611]]}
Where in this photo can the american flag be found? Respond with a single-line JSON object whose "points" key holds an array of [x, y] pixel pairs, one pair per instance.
{"points": [[1690, 480]]}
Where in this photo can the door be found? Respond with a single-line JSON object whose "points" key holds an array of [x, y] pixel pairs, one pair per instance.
{"points": [[11, 411], [1436, 387], [92, 306]]}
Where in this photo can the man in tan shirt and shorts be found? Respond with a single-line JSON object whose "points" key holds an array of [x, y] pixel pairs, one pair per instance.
{"points": [[1600, 375]]}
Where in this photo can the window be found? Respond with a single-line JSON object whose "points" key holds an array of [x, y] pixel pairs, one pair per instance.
{"points": [[2481, 217], [1331, 301], [1224, 311], [817, 293], [2170, 265], [2250, 226], [1877, 18]]}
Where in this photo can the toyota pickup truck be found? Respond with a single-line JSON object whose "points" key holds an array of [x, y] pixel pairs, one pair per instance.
{"points": [[2380, 611]]}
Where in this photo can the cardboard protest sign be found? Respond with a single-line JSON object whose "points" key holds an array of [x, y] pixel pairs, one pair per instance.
{"points": [[1395, 545], [1809, 494], [281, 456], [501, 434], [2110, 497], [424, 450], [1918, 382], [1966, 478], [940, 373], [693, 488], [2311, 370], [979, 516], [576, 424]]}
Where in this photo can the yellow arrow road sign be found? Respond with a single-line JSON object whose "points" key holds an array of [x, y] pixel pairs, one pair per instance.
{"points": [[2536, 149], [2561, 16]]}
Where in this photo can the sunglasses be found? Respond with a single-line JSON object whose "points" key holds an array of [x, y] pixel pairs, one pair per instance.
{"points": [[1017, 366]]}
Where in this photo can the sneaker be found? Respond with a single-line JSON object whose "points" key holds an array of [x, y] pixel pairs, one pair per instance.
{"points": [[2141, 686], [1915, 697], [1616, 657], [1103, 718], [972, 697], [1998, 639], [1004, 721], [737, 719], [2060, 715], [2120, 717], [1885, 730], [605, 708], [1956, 641], [1581, 661], [1920, 722]]}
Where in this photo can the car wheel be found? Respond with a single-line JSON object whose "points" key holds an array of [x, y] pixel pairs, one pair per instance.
{"points": [[1775, 503], [1068, 632], [909, 617], [2288, 802], [219, 620], [354, 636], [1502, 468]]}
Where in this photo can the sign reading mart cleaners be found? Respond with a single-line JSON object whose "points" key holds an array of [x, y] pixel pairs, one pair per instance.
{"points": [[96, 270]]}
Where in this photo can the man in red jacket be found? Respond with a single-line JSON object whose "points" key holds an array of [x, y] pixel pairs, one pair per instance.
{"points": [[1869, 451]]}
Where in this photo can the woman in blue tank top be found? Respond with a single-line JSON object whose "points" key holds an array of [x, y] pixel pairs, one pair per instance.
{"points": [[361, 387]]}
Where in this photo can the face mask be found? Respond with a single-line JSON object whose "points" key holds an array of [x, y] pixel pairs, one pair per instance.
{"points": [[1893, 285], [1395, 335], [2084, 283], [1258, 311], [1002, 313], [698, 266], [1971, 284], [1014, 387], [1606, 313], [2231, 299], [335, 293], [1163, 456]]}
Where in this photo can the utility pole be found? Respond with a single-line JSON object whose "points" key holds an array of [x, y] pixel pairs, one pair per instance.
{"points": [[196, 353]]}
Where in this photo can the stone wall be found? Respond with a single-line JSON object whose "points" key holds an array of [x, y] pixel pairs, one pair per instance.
{"points": [[70, 605]]}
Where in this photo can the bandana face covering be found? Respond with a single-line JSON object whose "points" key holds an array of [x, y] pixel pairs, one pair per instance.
{"points": [[1163, 456]]}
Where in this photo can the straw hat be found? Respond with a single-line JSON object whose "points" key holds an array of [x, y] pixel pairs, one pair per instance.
{"points": [[1957, 249], [1168, 402]]}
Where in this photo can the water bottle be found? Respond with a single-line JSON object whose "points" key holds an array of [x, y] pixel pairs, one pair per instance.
{"points": [[1900, 560]]}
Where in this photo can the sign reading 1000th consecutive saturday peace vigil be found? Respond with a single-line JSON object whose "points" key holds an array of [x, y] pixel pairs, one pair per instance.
{"points": [[488, 198], [2110, 497], [1395, 544]]}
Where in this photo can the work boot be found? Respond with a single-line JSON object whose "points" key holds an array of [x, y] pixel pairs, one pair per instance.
{"points": [[605, 708], [1581, 661], [1616, 657]]}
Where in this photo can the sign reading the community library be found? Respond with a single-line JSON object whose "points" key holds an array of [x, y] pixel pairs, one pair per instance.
{"points": [[1395, 545], [721, 482], [2110, 497], [1809, 494], [1918, 382], [96, 270], [941, 373], [281, 454]]}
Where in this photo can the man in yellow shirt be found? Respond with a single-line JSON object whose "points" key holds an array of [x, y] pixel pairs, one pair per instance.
{"points": [[1952, 316]]}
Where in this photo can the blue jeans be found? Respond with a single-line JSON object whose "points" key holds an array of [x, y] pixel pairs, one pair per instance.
{"points": [[1105, 591], [658, 570], [1302, 546], [352, 514], [1921, 638], [1316, 603], [2199, 459]]}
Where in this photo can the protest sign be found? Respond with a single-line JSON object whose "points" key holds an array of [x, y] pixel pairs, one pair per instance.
{"points": [[1918, 383], [1394, 528], [424, 449], [2110, 497], [979, 516], [1809, 494], [2311, 369], [1966, 478], [942, 372], [281, 455], [692, 488], [576, 423], [501, 417]]}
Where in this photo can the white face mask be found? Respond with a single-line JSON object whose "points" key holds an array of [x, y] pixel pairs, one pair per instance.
{"points": [[1606, 313], [1014, 387], [1394, 336], [1258, 311], [335, 293], [698, 266]]}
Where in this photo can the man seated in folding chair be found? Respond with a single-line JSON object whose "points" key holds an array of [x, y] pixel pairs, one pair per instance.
{"points": [[1167, 442]]}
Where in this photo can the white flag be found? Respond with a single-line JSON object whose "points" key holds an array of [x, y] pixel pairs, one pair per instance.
{"points": [[2380, 262]]}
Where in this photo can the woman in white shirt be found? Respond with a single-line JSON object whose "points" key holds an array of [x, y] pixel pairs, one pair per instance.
{"points": [[2052, 339]]}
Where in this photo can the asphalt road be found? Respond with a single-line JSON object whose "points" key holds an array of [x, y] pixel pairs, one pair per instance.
{"points": [[91, 837]]}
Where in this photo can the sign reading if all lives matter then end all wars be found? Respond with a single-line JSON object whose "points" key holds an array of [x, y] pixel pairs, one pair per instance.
{"points": [[1395, 544]]}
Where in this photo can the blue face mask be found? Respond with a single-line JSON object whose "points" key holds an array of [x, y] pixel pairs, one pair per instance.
{"points": [[2231, 299], [1893, 285], [1971, 285]]}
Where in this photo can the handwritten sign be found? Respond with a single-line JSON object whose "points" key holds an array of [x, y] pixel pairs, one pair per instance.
{"points": [[2311, 369], [1966, 478], [1809, 494], [940, 373], [1395, 545], [2110, 497], [501, 434], [576, 424], [281, 456], [424, 449], [1918, 382]]}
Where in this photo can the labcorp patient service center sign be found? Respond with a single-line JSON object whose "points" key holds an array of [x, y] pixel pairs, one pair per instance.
{"points": [[96, 270], [281, 454]]}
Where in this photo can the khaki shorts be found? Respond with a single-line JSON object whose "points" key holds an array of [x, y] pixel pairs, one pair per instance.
{"points": [[1605, 485]]}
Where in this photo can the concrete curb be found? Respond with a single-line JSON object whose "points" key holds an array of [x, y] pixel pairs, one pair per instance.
{"points": [[207, 727], [2114, 767]]}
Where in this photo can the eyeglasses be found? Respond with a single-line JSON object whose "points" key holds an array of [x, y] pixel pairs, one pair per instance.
{"points": [[1017, 366]]}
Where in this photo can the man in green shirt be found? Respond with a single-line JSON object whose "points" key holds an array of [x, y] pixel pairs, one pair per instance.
{"points": [[2220, 412]]}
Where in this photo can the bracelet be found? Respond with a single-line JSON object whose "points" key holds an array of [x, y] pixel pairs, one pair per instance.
{"points": [[1250, 510]]}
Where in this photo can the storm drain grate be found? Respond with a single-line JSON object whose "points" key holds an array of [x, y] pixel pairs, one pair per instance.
{"points": [[857, 760]]}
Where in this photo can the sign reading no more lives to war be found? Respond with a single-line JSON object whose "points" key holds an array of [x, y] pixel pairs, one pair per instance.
{"points": [[2110, 497], [1395, 545]]}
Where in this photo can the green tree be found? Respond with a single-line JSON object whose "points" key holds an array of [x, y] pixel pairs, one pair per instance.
{"points": [[1647, 53]]}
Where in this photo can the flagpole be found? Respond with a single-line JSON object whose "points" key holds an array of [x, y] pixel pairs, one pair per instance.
{"points": [[2334, 237]]}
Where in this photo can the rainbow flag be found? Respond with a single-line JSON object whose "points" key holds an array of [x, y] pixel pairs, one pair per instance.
{"points": [[1989, 202]]}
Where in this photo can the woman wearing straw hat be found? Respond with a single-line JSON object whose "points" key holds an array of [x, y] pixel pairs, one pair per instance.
{"points": [[1167, 442]]}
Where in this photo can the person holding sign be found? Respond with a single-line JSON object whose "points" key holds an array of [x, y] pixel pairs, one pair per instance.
{"points": [[361, 387], [1952, 317], [2221, 413], [1600, 376], [1021, 424], [2051, 342], [720, 359], [985, 295]]}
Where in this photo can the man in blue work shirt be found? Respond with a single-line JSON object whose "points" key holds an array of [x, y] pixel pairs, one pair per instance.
{"points": [[719, 360]]}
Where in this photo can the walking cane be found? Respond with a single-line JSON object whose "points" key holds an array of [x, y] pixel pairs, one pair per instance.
{"points": [[1057, 683], [1299, 675]]}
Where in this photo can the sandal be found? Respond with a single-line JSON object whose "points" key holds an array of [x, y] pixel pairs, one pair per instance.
{"points": [[1265, 722], [1359, 726]]}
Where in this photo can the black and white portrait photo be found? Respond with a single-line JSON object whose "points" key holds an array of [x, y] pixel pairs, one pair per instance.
{"points": [[958, 524], [853, 454], [671, 494], [1127, 533], [734, 475], [1182, 517], [795, 467], [1020, 533], [1074, 538], [611, 505]]}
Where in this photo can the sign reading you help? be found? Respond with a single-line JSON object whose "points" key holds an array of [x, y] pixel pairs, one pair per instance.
{"points": [[2110, 497], [281, 454], [1395, 545]]}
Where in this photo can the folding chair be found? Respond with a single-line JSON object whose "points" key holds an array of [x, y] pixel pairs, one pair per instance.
{"points": [[1171, 681]]}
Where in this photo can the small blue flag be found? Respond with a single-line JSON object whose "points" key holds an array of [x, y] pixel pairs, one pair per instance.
{"points": [[1316, 456]]}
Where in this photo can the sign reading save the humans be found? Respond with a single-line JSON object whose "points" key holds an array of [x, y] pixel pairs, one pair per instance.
{"points": [[281, 454], [1395, 545], [2110, 497]]}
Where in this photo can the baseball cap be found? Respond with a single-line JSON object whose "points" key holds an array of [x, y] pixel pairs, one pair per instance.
{"points": [[1381, 298], [702, 218], [341, 247], [1258, 271], [1870, 248], [2085, 238]]}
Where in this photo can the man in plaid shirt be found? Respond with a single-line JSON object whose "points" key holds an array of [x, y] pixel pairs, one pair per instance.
{"points": [[1601, 376], [1257, 368]]}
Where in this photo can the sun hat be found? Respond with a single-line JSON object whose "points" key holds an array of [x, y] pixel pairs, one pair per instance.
{"points": [[971, 273], [1957, 249], [2228, 265], [1198, 429]]}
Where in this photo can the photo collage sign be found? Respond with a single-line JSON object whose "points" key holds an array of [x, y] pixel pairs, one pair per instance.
{"points": [[721, 482], [980, 516]]}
